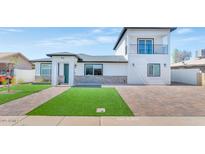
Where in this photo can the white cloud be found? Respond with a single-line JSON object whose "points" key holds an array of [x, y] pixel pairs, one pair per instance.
{"points": [[106, 31], [184, 30], [97, 30], [77, 41], [68, 41], [95, 37], [188, 39], [10, 30], [106, 39]]}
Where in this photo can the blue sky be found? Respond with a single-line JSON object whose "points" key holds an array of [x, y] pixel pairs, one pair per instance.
{"points": [[36, 42]]}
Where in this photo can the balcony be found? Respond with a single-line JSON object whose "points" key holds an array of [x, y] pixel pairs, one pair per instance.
{"points": [[155, 49]]}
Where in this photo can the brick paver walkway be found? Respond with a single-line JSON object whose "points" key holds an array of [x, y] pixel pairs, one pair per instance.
{"points": [[23, 105], [164, 100]]}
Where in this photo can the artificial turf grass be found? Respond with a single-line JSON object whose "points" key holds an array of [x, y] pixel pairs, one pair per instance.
{"points": [[83, 102], [20, 90]]}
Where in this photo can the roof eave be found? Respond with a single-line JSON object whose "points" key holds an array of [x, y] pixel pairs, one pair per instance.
{"points": [[103, 61], [34, 61], [125, 29], [71, 55]]}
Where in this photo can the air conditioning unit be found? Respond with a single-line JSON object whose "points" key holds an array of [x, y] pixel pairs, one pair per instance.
{"points": [[200, 53]]}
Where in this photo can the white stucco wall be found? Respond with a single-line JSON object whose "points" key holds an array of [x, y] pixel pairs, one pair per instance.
{"points": [[37, 69], [120, 49], [137, 69], [71, 60], [188, 76], [24, 75], [109, 69], [137, 63]]}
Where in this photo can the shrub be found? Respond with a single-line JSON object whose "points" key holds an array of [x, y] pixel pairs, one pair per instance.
{"points": [[42, 79], [20, 81], [13, 81], [4, 82]]}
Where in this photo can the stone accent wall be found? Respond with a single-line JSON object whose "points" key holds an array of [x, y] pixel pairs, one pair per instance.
{"points": [[44, 78], [201, 79], [100, 80]]}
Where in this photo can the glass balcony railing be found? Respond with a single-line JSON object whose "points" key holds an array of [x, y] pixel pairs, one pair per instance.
{"points": [[155, 49]]}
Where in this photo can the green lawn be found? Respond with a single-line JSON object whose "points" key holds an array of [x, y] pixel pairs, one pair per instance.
{"points": [[83, 102], [20, 91]]}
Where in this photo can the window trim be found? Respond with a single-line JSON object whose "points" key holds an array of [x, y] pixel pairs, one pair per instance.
{"points": [[41, 67], [145, 45], [148, 75], [93, 70]]}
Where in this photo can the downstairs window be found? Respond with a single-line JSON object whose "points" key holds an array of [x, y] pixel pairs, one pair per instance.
{"points": [[93, 69], [153, 70], [45, 70]]}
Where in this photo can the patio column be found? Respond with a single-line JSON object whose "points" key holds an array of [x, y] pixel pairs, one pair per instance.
{"points": [[54, 78]]}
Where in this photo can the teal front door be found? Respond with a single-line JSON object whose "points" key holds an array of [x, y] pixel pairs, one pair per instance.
{"points": [[66, 73]]}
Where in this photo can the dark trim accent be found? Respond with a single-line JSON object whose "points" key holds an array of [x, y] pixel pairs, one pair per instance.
{"points": [[120, 37], [145, 39], [101, 62], [125, 29], [93, 72], [58, 69], [154, 64], [67, 72], [39, 61], [89, 61]]}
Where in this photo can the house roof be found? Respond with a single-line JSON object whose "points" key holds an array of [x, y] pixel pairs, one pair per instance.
{"points": [[8, 54], [106, 58], [190, 63], [126, 28], [63, 54], [42, 60], [86, 58]]}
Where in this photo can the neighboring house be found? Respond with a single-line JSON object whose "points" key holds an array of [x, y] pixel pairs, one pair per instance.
{"points": [[16, 59], [190, 64], [142, 56], [190, 71], [198, 62], [16, 65]]}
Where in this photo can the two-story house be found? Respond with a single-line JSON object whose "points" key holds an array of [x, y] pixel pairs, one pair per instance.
{"points": [[142, 56]]}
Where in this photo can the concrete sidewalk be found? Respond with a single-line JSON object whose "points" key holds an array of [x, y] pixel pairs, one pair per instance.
{"points": [[100, 121], [21, 106]]}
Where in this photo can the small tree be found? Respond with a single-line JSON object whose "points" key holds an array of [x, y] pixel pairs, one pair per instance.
{"points": [[9, 68], [13, 61], [179, 56]]}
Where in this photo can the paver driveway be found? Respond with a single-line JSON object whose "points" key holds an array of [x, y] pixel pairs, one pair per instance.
{"points": [[164, 100]]}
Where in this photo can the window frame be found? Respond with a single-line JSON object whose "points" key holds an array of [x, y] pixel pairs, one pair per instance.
{"points": [[93, 74], [149, 75], [138, 39], [41, 74]]}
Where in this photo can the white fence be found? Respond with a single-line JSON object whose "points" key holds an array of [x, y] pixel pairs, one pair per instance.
{"points": [[187, 76], [24, 75]]}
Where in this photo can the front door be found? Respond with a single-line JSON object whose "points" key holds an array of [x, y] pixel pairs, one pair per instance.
{"points": [[66, 73]]}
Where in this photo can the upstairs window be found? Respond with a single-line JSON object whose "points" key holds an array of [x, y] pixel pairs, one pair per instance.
{"points": [[145, 46], [93, 69]]}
